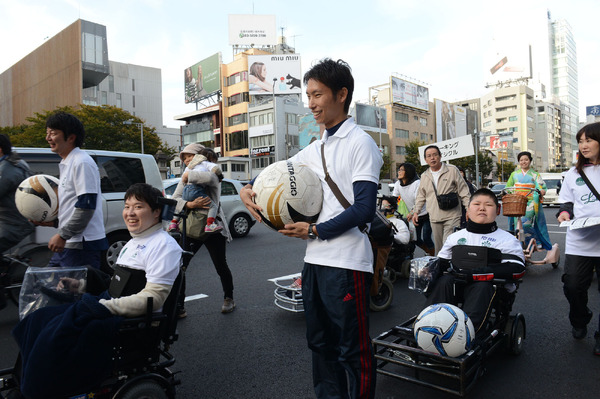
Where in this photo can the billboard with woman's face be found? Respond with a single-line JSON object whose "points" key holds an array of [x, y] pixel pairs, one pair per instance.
{"points": [[279, 73]]}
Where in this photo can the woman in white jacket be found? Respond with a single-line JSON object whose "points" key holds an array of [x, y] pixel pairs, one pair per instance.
{"points": [[406, 189]]}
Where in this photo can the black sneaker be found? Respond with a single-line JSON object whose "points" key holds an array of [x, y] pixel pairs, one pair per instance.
{"points": [[597, 346], [181, 313], [579, 332]]}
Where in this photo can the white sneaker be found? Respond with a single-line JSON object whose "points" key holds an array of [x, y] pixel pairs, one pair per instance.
{"points": [[211, 228]]}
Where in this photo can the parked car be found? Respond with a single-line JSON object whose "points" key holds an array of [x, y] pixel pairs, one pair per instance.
{"points": [[239, 218], [118, 171], [553, 183], [497, 190]]}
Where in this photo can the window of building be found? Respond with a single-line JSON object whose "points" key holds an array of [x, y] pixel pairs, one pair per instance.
{"points": [[512, 118], [262, 162], [133, 101], [238, 167], [111, 83], [292, 119], [224, 167], [177, 164], [401, 116], [416, 134], [104, 99], [423, 121], [132, 84], [402, 133], [237, 140], [93, 48], [237, 119], [416, 117], [262, 141], [424, 136], [235, 78], [119, 104], [400, 150], [513, 129], [487, 124], [237, 99]]}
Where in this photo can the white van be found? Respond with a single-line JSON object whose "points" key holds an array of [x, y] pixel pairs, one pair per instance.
{"points": [[118, 171], [553, 183]]}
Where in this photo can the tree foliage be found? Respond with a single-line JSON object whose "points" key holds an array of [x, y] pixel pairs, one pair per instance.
{"points": [[505, 169], [412, 155], [104, 130], [384, 173]]}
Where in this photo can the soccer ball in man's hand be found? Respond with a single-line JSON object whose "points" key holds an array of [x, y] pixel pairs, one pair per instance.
{"points": [[37, 198], [444, 329], [288, 192]]}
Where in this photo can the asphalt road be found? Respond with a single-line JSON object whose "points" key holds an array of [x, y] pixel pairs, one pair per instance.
{"points": [[259, 350]]}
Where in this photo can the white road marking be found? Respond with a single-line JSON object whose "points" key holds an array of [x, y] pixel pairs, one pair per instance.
{"points": [[194, 297]]}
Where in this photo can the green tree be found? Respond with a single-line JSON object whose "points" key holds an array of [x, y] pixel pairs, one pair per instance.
{"points": [[505, 169], [104, 130], [412, 155], [384, 173]]}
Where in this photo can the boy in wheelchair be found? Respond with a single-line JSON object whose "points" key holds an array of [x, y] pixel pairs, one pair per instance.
{"points": [[68, 349], [475, 256]]}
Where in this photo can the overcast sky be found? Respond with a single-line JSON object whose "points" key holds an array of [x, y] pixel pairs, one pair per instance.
{"points": [[440, 43]]}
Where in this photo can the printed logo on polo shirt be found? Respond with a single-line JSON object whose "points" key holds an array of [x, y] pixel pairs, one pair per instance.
{"points": [[462, 241], [579, 181], [486, 244], [588, 198]]}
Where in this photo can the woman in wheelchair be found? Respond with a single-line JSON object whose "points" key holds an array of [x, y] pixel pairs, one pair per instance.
{"points": [[68, 349], [475, 256]]}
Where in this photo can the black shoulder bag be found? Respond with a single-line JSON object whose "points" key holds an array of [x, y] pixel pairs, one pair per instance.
{"points": [[589, 184], [445, 201]]}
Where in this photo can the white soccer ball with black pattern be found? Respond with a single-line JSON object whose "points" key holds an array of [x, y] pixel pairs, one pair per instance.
{"points": [[444, 329], [288, 192], [37, 198]]}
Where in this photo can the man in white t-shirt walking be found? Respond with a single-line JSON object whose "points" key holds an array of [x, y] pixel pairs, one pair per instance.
{"points": [[80, 239], [440, 179]]}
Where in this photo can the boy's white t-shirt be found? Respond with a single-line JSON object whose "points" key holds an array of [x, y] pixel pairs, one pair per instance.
{"points": [[582, 242], [499, 239], [158, 254], [204, 166]]}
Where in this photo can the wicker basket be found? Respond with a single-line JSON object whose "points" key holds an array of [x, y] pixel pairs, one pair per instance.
{"points": [[514, 205]]}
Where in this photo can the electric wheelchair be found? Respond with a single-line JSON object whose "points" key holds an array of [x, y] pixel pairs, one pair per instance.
{"points": [[398, 355], [141, 358]]}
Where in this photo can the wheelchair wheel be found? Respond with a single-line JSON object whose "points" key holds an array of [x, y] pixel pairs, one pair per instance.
{"points": [[515, 330], [145, 389], [384, 297]]}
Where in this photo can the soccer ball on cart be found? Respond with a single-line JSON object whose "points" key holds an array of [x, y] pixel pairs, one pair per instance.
{"points": [[444, 329], [288, 192]]}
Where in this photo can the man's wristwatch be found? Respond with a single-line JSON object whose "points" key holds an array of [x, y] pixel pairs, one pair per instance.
{"points": [[311, 234]]}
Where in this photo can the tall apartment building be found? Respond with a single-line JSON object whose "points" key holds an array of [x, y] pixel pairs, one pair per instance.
{"points": [[507, 118]]}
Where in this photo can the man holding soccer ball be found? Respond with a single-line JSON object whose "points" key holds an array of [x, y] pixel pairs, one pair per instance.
{"points": [[338, 264], [80, 239]]}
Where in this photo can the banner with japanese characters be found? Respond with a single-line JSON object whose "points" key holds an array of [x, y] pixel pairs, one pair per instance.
{"points": [[455, 148]]}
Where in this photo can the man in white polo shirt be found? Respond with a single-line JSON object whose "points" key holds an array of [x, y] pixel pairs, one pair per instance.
{"points": [[80, 239], [338, 266]]}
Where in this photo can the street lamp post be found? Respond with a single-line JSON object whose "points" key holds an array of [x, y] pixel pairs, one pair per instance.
{"points": [[141, 125], [275, 122]]}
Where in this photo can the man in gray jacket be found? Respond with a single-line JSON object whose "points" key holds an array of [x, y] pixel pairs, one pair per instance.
{"points": [[13, 226], [444, 179]]}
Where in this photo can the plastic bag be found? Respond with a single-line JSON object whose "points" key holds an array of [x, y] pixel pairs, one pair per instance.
{"points": [[423, 272], [402, 208], [40, 288]]}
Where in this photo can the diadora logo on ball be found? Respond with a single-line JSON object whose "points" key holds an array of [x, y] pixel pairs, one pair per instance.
{"points": [[293, 190]]}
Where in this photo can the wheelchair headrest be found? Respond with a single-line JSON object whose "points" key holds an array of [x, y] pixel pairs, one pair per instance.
{"points": [[168, 207]]}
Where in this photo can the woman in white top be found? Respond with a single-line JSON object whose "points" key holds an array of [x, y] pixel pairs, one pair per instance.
{"points": [[406, 189], [582, 245]]}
